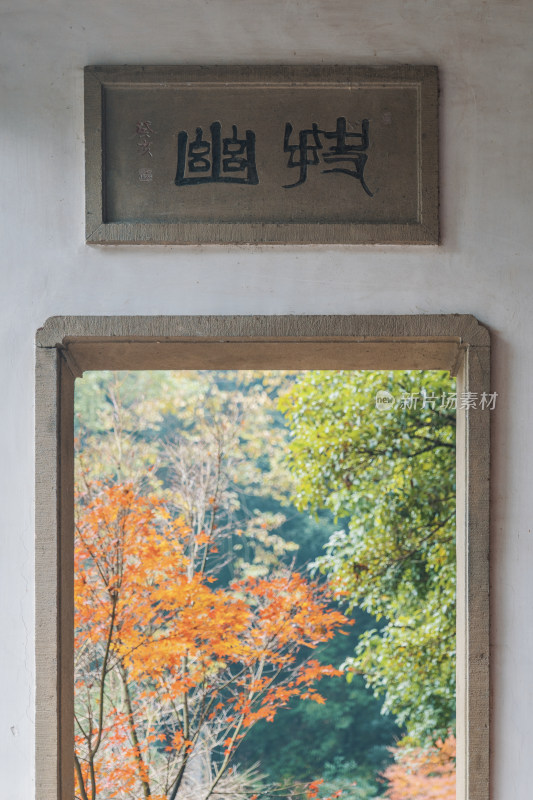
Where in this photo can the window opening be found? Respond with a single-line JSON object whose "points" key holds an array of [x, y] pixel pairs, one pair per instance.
{"points": [[205, 645]]}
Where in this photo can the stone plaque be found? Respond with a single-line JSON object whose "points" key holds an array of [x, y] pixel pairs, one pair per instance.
{"points": [[266, 155]]}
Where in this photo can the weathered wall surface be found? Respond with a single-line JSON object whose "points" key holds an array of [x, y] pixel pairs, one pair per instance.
{"points": [[483, 267]]}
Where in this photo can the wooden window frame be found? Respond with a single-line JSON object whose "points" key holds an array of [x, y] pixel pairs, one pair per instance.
{"points": [[67, 346]]}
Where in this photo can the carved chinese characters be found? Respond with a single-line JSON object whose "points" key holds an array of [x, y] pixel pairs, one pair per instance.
{"points": [[179, 155]]}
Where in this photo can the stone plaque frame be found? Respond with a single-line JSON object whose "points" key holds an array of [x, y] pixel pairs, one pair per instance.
{"points": [[138, 118], [66, 346]]}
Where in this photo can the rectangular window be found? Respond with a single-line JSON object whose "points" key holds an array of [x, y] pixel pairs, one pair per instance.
{"points": [[69, 347]]}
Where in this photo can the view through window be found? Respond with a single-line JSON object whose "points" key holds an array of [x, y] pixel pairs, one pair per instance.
{"points": [[265, 585]]}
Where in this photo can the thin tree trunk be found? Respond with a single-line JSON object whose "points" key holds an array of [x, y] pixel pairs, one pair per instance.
{"points": [[143, 770], [79, 774]]}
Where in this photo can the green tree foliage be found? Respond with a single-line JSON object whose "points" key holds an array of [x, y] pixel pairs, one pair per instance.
{"points": [[389, 475], [345, 775]]}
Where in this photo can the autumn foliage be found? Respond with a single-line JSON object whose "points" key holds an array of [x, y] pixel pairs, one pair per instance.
{"points": [[423, 773], [172, 667]]}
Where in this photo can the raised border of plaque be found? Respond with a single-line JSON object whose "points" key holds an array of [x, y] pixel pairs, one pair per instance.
{"points": [[262, 155]]}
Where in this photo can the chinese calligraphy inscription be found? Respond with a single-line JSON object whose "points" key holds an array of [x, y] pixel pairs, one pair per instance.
{"points": [[144, 133], [218, 160], [306, 152], [232, 160], [262, 154]]}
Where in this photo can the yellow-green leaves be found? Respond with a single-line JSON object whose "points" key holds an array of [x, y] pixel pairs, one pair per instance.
{"points": [[386, 469]]}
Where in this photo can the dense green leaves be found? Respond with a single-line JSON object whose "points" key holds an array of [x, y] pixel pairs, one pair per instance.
{"points": [[388, 474]]}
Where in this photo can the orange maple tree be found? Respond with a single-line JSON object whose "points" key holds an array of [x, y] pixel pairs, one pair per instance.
{"points": [[172, 668], [423, 773]]}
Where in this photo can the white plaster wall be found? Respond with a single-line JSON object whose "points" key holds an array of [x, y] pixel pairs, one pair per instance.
{"points": [[483, 267]]}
